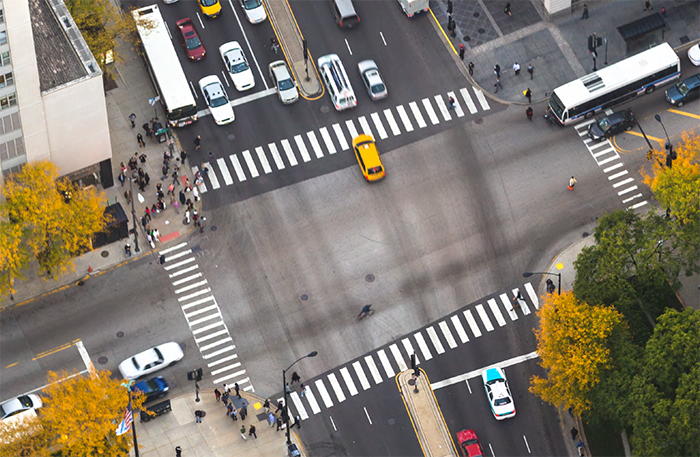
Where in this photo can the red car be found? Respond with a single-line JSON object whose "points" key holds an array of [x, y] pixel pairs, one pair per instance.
{"points": [[190, 39], [469, 444]]}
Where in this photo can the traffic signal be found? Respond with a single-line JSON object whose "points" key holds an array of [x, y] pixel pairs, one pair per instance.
{"points": [[199, 374], [591, 48], [413, 361], [449, 6], [599, 41]]}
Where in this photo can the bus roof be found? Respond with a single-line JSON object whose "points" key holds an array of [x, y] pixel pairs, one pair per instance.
{"points": [[643, 64], [161, 54]]}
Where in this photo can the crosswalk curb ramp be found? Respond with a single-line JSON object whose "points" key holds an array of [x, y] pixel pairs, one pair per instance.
{"points": [[425, 414]]}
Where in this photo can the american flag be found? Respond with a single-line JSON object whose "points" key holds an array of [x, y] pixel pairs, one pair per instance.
{"points": [[125, 424]]}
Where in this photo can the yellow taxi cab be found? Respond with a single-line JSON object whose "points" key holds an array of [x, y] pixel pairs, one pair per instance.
{"points": [[210, 8], [368, 158]]}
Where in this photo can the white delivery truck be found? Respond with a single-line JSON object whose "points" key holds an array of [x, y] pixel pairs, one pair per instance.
{"points": [[414, 7]]}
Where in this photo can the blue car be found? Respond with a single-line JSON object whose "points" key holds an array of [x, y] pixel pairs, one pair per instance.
{"points": [[154, 388]]}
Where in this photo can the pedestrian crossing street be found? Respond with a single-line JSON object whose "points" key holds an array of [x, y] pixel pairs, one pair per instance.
{"points": [[606, 156], [384, 364], [317, 144], [204, 317]]}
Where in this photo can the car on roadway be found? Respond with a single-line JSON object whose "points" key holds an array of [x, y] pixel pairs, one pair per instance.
{"points": [[217, 99], [284, 83], [694, 55], [237, 65], [190, 39], [210, 8], [469, 444], [368, 157], [498, 393], [254, 11], [372, 79], [153, 388], [608, 126], [684, 91], [151, 360], [19, 404]]}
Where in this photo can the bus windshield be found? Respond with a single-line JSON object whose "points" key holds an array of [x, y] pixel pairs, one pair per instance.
{"points": [[556, 105]]}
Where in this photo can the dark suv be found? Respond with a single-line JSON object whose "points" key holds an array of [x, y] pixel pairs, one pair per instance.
{"points": [[608, 126], [684, 91]]}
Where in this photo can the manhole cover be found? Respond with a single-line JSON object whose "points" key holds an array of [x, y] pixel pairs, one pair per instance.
{"points": [[466, 38], [214, 228], [104, 253], [391, 421], [120, 334], [477, 14], [325, 109], [231, 137], [369, 278], [304, 297], [102, 360], [479, 120], [80, 283], [481, 30]]}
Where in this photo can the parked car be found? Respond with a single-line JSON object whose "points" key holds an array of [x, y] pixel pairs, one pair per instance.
{"points": [[217, 99], [372, 79], [153, 388], [254, 11], [237, 65], [368, 158], [469, 444], [684, 92], [190, 39], [151, 360], [498, 393], [694, 55], [283, 81], [19, 404], [608, 126]]}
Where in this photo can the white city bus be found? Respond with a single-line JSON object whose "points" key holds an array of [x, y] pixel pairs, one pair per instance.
{"points": [[164, 67], [618, 83]]}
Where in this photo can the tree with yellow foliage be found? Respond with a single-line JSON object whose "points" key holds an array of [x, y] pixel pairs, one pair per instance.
{"points": [[572, 341]]}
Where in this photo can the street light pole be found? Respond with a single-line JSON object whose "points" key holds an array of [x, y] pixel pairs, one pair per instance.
{"points": [[133, 419], [284, 389], [527, 274]]}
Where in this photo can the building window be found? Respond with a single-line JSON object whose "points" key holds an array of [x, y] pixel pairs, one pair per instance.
{"points": [[11, 149], [3, 37], [9, 123], [2, 16], [6, 80], [5, 58], [8, 101]]}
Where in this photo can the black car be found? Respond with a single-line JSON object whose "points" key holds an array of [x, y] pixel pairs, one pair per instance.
{"points": [[684, 91], [608, 126]]}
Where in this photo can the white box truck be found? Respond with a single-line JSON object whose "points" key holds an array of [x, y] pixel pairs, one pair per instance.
{"points": [[413, 7]]}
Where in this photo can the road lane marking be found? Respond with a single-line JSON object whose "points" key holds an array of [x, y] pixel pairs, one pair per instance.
{"points": [[263, 160], [206, 309], [444, 110], [190, 287], [523, 304], [351, 128], [219, 352], [336, 387], [482, 100], [364, 125], [477, 373], [327, 140], [496, 312], [341, 137], [472, 323], [431, 112], [460, 329], [237, 168], [179, 264], [251, 164], [174, 248], [361, 375], [85, 356], [349, 383], [289, 153], [254, 96], [533, 295], [484, 318], [211, 317], [617, 175], [314, 144], [447, 334], [379, 126], [226, 368], [196, 294], [298, 405], [324, 393], [311, 398], [392, 122], [189, 278], [222, 360], [210, 337], [279, 163], [211, 175], [373, 369], [417, 114], [386, 364], [299, 140], [424, 349], [458, 107], [437, 344], [404, 118], [398, 357], [622, 183], [228, 180], [468, 100], [209, 327], [409, 348]]}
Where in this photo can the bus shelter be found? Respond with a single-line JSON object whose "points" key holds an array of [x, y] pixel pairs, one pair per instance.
{"points": [[643, 33]]}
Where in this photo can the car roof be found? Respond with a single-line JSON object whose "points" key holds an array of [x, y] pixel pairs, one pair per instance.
{"points": [[368, 151], [186, 25], [280, 69], [692, 81], [230, 46], [207, 81], [499, 390]]}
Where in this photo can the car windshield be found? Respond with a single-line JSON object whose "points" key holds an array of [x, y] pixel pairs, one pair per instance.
{"points": [[219, 101], [469, 442], [209, 2], [682, 88], [604, 124], [286, 84], [251, 4], [378, 88], [193, 43], [239, 67], [501, 401]]}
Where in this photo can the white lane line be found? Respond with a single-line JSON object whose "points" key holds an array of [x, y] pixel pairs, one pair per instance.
{"points": [[364, 125], [447, 334], [351, 128], [458, 107], [628, 190], [424, 349], [361, 375], [196, 294], [197, 303], [379, 126], [237, 167], [404, 118], [634, 197], [460, 329], [178, 255], [349, 383], [311, 398], [298, 405], [228, 180], [614, 167], [210, 336], [409, 348], [226, 368], [610, 159], [254, 96], [279, 163], [209, 327], [341, 137], [233, 376], [477, 373], [373, 369], [622, 183], [533, 295], [431, 112], [190, 287], [472, 323], [219, 352], [289, 153], [263, 160], [444, 110], [484, 318], [85, 356], [211, 317], [436, 341], [324, 393], [212, 176], [637, 205], [417, 114], [336, 387], [251, 164], [468, 100], [315, 144], [189, 278], [174, 248], [392, 122], [327, 140], [482, 100], [206, 309], [179, 264], [617, 175], [508, 305], [496, 312], [398, 357], [183, 271], [386, 364], [213, 345], [523, 303], [222, 360], [299, 140]]}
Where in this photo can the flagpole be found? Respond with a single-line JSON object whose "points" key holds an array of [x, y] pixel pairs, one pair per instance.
{"points": [[133, 428]]}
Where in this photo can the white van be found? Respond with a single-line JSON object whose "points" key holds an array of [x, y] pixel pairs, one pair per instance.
{"points": [[414, 7], [337, 82]]}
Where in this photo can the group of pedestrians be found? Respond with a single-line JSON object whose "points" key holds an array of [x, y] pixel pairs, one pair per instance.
{"points": [[226, 399]]}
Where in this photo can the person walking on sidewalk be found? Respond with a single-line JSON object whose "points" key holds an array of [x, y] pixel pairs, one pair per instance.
{"points": [[531, 70], [234, 413], [266, 405], [198, 415], [516, 68], [471, 68], [132, 118], [197, 143], [229, 409], [217, 394], [529, 113], [585, 12], [139, 138], [252, 432], [280, 406], [497, 70], [279, 424], [303, 391], [528, 94], [461, 51], [572, 183], [244, 411], [574, 433], [245, 438], [647, 6], [451, 102], [272, 419], [295, 377], [297, 422], [183, 157], [235, 386], [498, 84], [507, 9]]}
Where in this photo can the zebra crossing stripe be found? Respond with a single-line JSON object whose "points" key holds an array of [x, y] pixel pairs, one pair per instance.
{"points": [[237, 168], [290, 154], [458, 107], [336, 387], [472, 323], [211, 336], [425, 350], [263, 160], [447, 334], [533, 295], [417, 114], [361, 375], [251, 165], [468, 100], [386, 364], [298, 405], [314, 144], [302, 148], [226, 368], [364, 125], [223, 360], [496, 312], [404, 118], [379, 126], [409, 348], [197, 303], [189, 278], [212, 176], [311, 398], [523, 303], [228, 180], [179, 264], [460, 329], [509, 307], [324, 393], [183, 271], [327, 140], [436, 341], [482, 99], [341, 137], [351, 128], [276, 156], [443, 108], [398, 357], [484, 318], [431, 112], [349, 383], [373, 369], [392, 122]]}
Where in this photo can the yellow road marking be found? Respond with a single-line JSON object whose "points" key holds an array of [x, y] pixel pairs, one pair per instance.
{"points": [[683, 113], [11, 365], [54, 350]]}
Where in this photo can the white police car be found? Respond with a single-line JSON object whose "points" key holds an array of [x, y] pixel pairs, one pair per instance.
{"points": [[498, 393]]}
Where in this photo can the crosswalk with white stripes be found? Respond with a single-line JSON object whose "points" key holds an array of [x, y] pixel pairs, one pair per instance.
{"points": [[315, 145], [204, 318], [384, 364], [606, 156]]}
